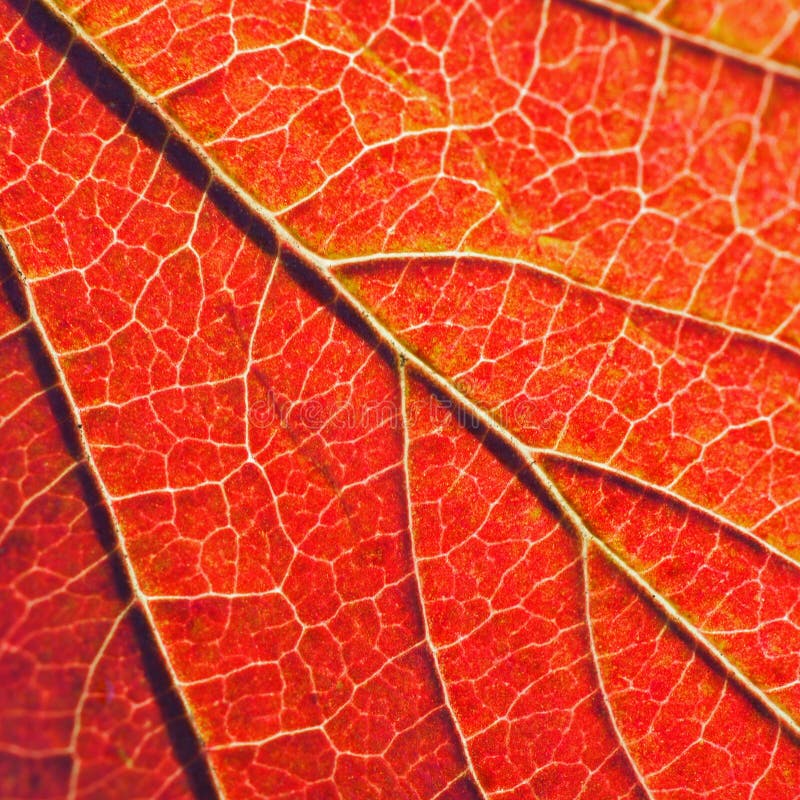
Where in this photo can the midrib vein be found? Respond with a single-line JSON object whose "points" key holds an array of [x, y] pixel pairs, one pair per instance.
{"points": [[323, 269]]}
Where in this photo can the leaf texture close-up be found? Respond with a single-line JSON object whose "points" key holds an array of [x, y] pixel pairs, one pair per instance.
{"points": [[399, 399]]}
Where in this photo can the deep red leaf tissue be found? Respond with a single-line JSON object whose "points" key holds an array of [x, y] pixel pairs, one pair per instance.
{"points": [[400, 399]]}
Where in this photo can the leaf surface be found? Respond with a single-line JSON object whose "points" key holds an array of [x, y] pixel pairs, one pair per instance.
{"points": [[437, 376], [88, 709]]}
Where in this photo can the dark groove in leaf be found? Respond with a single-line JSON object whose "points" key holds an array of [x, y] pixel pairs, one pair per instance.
{"points": [[312, 284], [185, 742], [55, 397], [12, 288], [50, 30], [463, 789]]}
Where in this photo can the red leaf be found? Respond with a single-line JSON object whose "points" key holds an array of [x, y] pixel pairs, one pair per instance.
{"points": [[87, 707], [402, 400]]}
